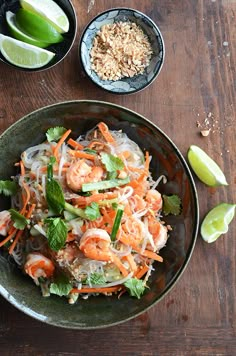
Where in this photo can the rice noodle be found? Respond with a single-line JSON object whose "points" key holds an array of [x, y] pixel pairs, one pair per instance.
{"points": [[28, 155], [123, 253], [162, 177]]}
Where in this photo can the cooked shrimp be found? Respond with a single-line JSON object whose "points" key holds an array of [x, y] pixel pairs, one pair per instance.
{"points": [[154, 200], [80, 172], [131, 232], [5, 219], [159, 233], [37, 265], [95, 244]]}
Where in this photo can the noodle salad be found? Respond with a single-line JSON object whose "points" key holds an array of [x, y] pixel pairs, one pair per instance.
{"points": [[85, 215]]}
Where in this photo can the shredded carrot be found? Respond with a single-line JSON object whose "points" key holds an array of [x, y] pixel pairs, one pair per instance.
{"points": [[22, 168], [60, 142], [25, 199], [96, 290], [141, 271], [70, 237], [81, 154], [149, 254], [129, 258], [20, 232], [105, 132], [75, 144], [96, 143], [9, 237]]}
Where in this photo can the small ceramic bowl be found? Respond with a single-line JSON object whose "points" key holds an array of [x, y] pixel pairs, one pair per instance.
{"points": [[102, 311], [124, 85], [60, 49]]}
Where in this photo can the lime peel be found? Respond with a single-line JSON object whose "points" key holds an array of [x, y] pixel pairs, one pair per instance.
{"points": [[24, 55], [19, 34], [50, 11], [205, 168], [217, 221]]}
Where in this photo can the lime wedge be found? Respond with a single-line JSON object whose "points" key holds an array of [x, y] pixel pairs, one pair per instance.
{"points": [[205, 168], [50, 11], [23, 54], [20, 35], [37, 27], [216, 221]]}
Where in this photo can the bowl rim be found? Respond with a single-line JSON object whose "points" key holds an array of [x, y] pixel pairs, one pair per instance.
{"points": [[37, 70], [162, 58], [170, 286]]}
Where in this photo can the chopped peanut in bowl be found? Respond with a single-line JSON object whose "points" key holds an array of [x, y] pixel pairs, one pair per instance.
{"points": [[120, 50]]}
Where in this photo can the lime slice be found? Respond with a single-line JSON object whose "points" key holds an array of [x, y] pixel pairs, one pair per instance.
{"points": [[216, 221], [37, 27], [50, 11], [20, 35], [205, 168], [23, 54]]}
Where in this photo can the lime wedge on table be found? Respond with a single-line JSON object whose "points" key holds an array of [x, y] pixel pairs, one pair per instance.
{"points": [[205, 168], [20, 35], [23, 54], [216, 221], [37, 27], [50, 11]]}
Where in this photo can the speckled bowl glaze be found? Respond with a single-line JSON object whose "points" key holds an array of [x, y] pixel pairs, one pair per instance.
{"points": [[124, 85], [102, 311], [60, 49]]}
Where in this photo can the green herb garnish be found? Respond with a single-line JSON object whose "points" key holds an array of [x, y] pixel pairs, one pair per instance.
{"points": [[56, 233], [112, 163], [55, 133], [135, 287], [20, 221], [61, 286], [117, 222], [104, 184], [171, 204], [96, 278], [8, 187], [92, 211]]}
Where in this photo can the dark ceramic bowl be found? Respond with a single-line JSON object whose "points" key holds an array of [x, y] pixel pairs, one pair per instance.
{"points": [[124, 85], [60, 49], [97, 312]]}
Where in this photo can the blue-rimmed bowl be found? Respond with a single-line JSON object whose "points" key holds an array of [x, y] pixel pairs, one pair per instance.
{"points": [[124, 85]]}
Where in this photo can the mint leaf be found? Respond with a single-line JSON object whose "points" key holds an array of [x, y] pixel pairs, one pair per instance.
{"points": [[96, 278], [135, 287], [54, 194], [112, 163], [56, 233], [55, 197], [20, 221], [61, 286], [55, 133], [8, 187], [171, 204], [92, 211]]}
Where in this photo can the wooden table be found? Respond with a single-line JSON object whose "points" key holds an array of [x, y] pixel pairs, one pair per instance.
{"points": [[194, 91]]}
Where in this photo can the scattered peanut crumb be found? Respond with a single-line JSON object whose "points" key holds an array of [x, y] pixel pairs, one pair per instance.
{"points": [[169, 228], [120, 50], [205, 132]]}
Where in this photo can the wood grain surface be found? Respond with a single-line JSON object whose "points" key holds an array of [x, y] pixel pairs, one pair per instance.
{"points": [[196, 87]]}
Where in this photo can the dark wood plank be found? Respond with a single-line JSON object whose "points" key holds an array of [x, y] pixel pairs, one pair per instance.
{"points": [[197, 83]]}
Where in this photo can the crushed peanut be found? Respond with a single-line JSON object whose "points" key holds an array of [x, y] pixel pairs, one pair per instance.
{"points": [[120, 50]]}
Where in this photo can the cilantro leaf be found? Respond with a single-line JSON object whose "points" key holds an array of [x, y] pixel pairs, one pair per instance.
{"points": [[92, 211], [55, 133], [112, 175], [96, 278], [61, 286], [135, 287], [20, 221], [8, 187], [171, 204], [56, 233], [112, 163]]}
